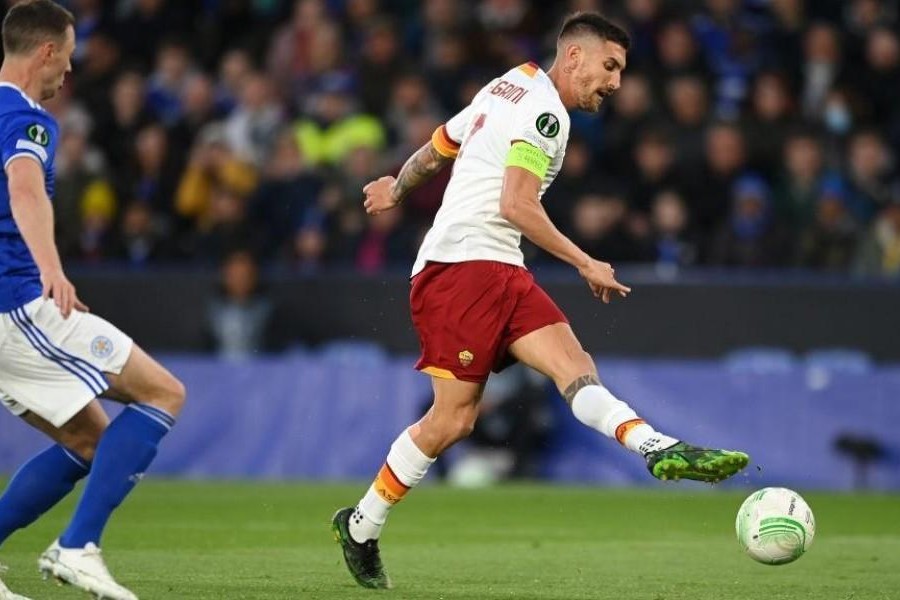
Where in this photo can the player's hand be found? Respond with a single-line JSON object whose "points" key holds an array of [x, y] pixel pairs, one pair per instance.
{"points": [[600, 277], [57, 286], [380, 195]]}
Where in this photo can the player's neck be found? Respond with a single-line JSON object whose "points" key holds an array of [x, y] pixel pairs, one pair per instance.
{"points": [[21, 75], [556, 77]]}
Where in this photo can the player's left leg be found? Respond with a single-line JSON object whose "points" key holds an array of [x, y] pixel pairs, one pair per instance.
{"points": [[51, 474], [555, 351]]}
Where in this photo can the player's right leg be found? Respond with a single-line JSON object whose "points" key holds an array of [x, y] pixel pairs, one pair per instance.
{"points": [[450, 419], [125, 451], [555, 351]]}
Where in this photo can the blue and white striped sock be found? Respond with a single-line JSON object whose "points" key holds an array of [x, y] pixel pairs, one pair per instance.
{"points": [[125, 451], [37, 486]]}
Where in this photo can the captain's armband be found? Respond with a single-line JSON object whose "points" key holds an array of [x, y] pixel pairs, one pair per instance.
{"points": [[528, 157]]}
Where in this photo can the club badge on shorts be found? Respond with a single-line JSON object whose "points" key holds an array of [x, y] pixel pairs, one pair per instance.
{"points": [[101, 347], [466, 358]]}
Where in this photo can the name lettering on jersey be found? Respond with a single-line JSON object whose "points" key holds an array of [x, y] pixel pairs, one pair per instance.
{"points": [[509, 91]]}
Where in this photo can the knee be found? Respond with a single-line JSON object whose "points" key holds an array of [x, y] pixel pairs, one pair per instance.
{"points": [[452, 427], [171, 396], [461, 426]]}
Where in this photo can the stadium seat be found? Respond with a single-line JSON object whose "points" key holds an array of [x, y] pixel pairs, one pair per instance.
{"points": [[839, 360], [761, 360], [346, 353]]}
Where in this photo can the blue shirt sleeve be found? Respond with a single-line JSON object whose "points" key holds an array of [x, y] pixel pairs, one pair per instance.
{"points": [[28, 133]]}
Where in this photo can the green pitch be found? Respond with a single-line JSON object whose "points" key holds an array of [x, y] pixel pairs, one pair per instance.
{"points": [[222, 541]]}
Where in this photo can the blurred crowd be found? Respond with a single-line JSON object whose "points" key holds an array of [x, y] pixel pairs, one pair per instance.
{"points": [[746, 133]]}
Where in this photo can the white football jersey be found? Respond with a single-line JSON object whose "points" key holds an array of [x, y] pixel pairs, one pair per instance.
{"points": [[521, 105]]}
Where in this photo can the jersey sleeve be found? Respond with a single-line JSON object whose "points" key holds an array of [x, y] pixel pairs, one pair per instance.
{"points": [[27, 134], [447, 138], [539, 124]]}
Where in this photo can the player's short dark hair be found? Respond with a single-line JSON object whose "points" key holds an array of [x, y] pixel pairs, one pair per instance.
{"points": [[31, 23], [594, 24]]}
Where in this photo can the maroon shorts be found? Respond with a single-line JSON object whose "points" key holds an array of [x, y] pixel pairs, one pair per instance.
{"points": [[467, 314]]}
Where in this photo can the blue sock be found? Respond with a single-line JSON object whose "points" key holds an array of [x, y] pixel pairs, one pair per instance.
{"points": [[125, 451], [37, 486]]}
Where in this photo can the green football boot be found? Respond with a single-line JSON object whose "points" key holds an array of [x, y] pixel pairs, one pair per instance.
{"points": [[684, 461], [363, 560]]}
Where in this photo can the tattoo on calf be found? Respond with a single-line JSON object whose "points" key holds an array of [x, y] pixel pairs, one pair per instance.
{"points": [[576, 385]]}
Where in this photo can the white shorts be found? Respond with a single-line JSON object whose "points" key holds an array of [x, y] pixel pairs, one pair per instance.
{"points": [[52, 366]]}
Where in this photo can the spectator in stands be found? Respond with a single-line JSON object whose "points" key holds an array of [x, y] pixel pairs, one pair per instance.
{"points": [[822, 67], [290, 54], [410, 97], [769, 121], [830, 241], [869, 170], [165, 86], [654, 158], [334, 127], [286, 198], [84, 202], [386, 240], [751, 237], [254, 123], [598, 224], [673, 243], [677, 55], [211, 163], [879, 253], [198, 102], [687, 102], [446, 68], [800, 179], [576, 178], [381, 64], [240, 316], [234, 68], [152, 175], [713, 186], [142, 238], [98, 70], [632, 107], [880, 83], [228, 228], [117, 128]]}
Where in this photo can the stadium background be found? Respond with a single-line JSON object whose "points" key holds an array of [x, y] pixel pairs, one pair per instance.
{"points": [[744, 180]]}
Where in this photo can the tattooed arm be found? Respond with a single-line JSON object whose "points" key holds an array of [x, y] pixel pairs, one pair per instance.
{"points": [[387, 192]]}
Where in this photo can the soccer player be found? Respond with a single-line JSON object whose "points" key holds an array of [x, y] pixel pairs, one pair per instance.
{"points": [[474, 305], [55, 357]]}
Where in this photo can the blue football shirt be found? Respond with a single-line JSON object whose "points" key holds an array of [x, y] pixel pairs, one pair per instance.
{"points": [[29, 131]]}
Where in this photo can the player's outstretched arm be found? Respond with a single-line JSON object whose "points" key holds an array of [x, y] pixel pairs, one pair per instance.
{"points": [[387, 192], [33, 214], [520, 205]]}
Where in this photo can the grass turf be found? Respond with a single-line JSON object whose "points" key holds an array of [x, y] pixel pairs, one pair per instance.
{"points": [[222, 541]]}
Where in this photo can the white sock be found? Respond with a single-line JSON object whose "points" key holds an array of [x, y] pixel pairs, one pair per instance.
{"points": [[406, 465], [597, 408]]}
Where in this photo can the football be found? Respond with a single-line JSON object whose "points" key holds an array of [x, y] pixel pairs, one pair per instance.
{"points": [[775, 526]]}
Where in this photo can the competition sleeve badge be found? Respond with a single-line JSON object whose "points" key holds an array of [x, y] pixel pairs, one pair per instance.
{"points": [[466, 358], [37, 133], [547, 125]]}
